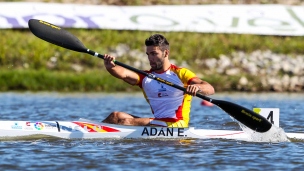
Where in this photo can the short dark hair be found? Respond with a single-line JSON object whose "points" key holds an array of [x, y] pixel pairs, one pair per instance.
{"points": [[158, 40]]}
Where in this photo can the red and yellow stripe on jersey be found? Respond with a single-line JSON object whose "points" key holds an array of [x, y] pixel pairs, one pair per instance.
{"points": [[170, 106]]}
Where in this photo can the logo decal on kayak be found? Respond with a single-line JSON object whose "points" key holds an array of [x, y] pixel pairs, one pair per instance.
{"points": [[95, 127], [16, 126], [39, 126], [28, 123]]}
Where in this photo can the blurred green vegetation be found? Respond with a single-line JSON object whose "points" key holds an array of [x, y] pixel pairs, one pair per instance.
{"points": [[25, 59], [43, 80], [21, 49]]}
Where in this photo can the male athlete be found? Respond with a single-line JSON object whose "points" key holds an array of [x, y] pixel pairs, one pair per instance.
{"points": [[170, 106]]}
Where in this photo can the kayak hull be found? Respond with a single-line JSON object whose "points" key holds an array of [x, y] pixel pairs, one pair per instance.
{"points": [[87, 129]]}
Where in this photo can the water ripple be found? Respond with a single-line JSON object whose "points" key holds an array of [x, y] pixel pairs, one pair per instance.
{"points": [[136, 154]]}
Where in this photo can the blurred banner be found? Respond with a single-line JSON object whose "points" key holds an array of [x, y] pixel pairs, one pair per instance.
{"points": [[240, 19]]}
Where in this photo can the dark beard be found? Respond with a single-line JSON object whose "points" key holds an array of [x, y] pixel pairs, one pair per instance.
{"points": [[159, 64]]}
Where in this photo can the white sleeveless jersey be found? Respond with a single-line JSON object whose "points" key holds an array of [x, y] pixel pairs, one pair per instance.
{"points": [[166, 101]]}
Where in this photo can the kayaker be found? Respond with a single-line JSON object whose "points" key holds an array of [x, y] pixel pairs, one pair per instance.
{"points": [[170, 106]]}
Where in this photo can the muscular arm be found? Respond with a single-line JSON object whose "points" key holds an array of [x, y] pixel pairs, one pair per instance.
{"points": [[119, 72], [203, 87]]}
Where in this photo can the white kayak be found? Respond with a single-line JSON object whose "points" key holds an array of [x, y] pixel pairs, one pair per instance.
{"points": [[87, 129]]}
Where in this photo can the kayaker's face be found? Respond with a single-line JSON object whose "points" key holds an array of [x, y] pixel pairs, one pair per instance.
{"points": [[156, 57]]}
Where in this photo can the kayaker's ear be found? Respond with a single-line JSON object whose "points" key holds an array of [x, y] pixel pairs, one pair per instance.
{"points": [[167, 53]]}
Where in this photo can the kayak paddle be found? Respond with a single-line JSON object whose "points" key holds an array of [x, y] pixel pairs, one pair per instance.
{"points": [[60, 37]]}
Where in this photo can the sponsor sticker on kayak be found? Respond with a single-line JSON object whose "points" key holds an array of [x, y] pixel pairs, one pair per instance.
{"points": [[90, 127], [16, 126]]}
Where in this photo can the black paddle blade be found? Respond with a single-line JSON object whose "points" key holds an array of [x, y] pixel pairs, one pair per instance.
{"points": [[55, 35], [247, 117]]}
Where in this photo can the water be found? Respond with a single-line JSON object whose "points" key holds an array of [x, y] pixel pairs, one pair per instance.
{"points": [[206, 154]]}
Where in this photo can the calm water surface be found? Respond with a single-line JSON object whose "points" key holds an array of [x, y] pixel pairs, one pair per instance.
{"points": [[215, 154]]}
